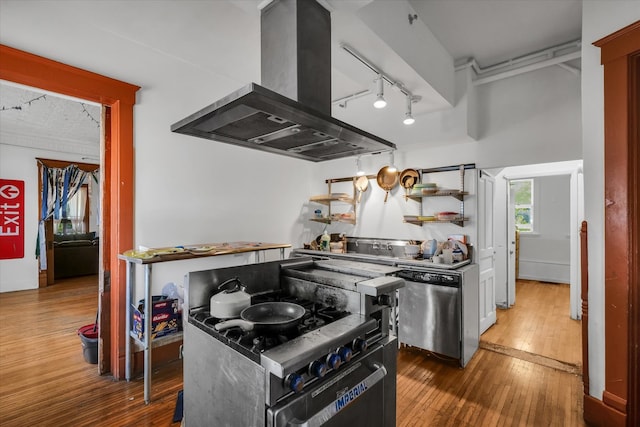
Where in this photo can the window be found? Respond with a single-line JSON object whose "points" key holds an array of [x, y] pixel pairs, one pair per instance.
{"points": [[77, 220], [523, 196]]}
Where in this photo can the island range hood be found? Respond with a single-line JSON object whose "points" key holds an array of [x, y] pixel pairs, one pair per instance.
{"points": [[290, 114]]}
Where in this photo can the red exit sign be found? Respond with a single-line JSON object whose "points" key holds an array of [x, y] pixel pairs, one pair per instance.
{"points": [[11, 219]]}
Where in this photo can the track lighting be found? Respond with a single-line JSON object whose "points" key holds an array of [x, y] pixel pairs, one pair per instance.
{"points": [[380, 102], [359, 171], [382, 77], [392, 165], [408, 118]]}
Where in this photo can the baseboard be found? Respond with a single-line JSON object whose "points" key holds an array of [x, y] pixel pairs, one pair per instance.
{"points": [[543, 279], [544, 270], [597, 414]]}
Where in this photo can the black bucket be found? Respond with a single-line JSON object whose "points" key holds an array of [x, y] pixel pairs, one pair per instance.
{"points": [[89, 337]]}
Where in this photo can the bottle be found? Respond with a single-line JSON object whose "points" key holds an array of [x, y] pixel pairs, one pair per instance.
{"points": [[324, 241]]}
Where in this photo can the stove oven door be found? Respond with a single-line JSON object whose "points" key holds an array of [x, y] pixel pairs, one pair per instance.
{"points": [[354, 395]]}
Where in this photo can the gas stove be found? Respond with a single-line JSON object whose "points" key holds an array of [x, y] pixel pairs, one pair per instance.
{"points": [[332, 368], [252, 344]]}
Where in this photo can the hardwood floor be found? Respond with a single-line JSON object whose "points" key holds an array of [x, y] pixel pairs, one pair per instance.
{"points": [[45, 381], [539, 323], [526, 373], [492, 390]]}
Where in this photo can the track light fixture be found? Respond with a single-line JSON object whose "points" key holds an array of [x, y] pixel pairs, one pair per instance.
{"points": [[382, 77], [408, 118], [380, 102], [392, 165], [359, 171]]}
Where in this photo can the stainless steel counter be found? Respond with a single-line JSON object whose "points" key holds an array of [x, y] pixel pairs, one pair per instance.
{"points": [[383, 260]]}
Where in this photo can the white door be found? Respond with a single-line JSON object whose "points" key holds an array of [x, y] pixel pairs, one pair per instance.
{"points": [[486, 251], [511, 239]]}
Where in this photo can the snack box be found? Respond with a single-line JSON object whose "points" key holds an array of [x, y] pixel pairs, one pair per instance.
{"points": [[164, 317]]}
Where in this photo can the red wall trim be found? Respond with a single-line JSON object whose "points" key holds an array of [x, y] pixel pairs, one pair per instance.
{"points": [[621, 43], [619, 403], [598, 414], [584, 296]]}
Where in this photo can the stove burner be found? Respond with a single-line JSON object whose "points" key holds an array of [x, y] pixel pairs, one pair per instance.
{"points": [[313, 322], [248, 342]]}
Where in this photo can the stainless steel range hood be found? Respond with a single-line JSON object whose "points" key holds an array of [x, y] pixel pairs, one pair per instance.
{"points": [[290, 114]]}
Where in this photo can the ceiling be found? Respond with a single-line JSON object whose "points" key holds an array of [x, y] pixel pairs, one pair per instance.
{"points": [[26, 111], [488, 31]]}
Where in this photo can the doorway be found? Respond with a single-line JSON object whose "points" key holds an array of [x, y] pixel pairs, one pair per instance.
{"points": [[525, 321], [71, 233], [117, 161], [569, 176]]}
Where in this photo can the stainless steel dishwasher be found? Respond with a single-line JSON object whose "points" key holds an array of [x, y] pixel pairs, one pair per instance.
{"points": [[438, 311]]}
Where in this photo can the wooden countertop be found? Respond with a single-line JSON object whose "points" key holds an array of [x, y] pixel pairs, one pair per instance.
{"points": [[154, 255]]}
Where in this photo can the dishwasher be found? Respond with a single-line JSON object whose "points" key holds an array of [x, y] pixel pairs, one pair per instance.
{"points": [[438, 311]]}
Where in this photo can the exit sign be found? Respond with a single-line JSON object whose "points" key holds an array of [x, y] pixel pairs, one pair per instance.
{"points": [[11, 219]]}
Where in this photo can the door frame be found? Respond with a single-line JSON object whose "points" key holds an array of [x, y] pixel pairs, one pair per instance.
{"points": [[620, 404], [35, 71], [49, 273]]}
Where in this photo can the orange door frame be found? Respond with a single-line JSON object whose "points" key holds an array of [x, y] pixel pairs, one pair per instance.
{"points": [[39, 72], [619, 404]]}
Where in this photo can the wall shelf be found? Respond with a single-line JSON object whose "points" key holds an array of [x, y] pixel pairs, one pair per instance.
{"points": [[330, 198], [458, 194]]}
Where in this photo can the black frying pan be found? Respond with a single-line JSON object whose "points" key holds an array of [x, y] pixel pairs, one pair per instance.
{"points": [[270, 317]]}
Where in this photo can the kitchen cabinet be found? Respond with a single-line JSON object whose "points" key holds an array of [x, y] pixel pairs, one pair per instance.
{"points": [[330, 198], [457, 194]]}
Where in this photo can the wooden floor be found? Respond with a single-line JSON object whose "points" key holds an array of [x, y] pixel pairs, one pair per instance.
{"points": [[539, 323], [45, 381], [529, 377]]}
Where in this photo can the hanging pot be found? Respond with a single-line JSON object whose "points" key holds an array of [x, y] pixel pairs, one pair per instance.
{"points": [[409, 178], [362, 183], [230, 301], [387, 180]]}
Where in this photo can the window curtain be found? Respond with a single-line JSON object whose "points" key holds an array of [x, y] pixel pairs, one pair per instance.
{"points": [[58, 186]]}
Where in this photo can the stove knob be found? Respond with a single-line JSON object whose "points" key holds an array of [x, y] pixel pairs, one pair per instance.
{"points": [[317, 369], [295, 382], [359, 345], [345, 353], [334, 361], [384, 300]]}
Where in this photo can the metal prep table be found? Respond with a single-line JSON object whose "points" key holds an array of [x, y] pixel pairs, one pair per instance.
{"points": [[147, 344]]}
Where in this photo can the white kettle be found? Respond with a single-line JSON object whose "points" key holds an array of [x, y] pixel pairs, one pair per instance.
{"points": [[230, 301]]}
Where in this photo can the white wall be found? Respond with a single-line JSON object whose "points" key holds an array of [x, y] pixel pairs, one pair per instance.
{"points": [[544, 254], [599, 19]]}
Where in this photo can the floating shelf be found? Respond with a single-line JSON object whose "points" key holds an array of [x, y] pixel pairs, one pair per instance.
{"points": [[458, 194], [328, 199], [457, 221]]}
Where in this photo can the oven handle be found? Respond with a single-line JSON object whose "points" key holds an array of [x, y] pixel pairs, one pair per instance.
{"points": [[343, 401]]}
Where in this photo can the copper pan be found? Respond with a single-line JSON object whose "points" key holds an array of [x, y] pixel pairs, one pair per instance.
{"points": [[387, 180], [362, 183], [409, 178]]}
